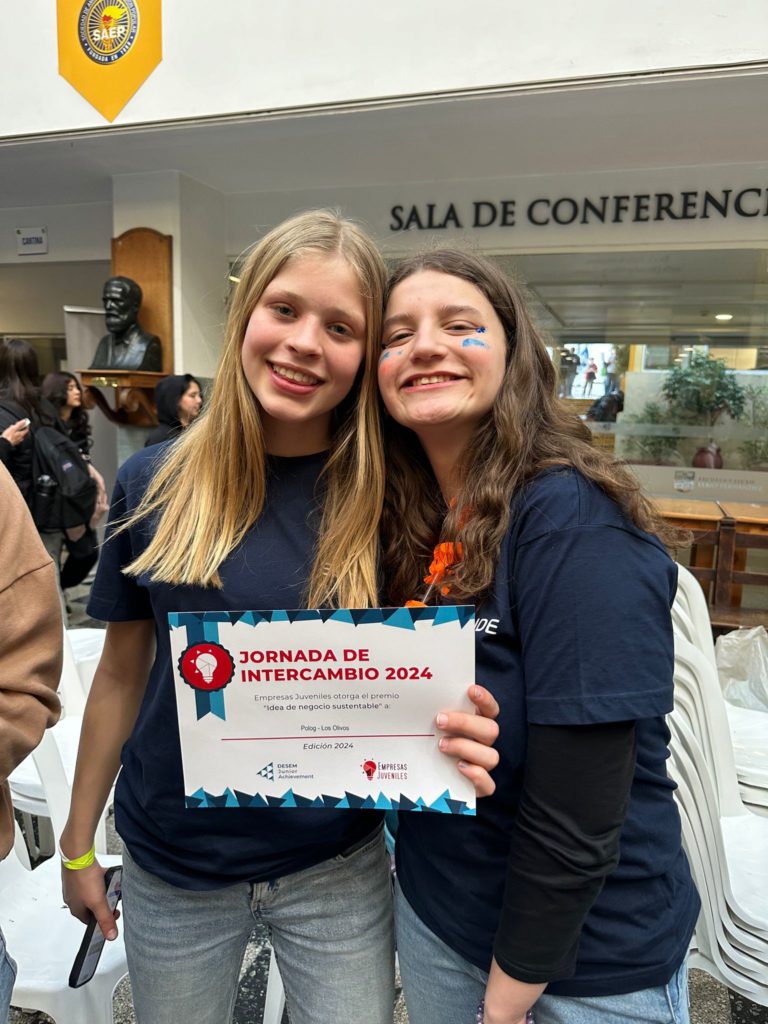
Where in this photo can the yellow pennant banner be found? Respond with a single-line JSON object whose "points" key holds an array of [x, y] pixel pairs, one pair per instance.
{"points": [[108, 48]]}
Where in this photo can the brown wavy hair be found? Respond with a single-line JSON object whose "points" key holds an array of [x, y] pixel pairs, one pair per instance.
{"points": [[528, 430], [211, 487]]}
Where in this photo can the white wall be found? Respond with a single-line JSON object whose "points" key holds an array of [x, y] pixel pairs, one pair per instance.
{"points": [[204, 268], [80, 231], [194, 215], [243, 56], [32, 297]]}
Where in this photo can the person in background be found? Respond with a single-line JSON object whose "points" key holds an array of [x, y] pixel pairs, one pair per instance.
{"points": [[590, 376], [179, 400], [64, 392], [611, 372], [569, 891], [30, 663], [20, 396]]}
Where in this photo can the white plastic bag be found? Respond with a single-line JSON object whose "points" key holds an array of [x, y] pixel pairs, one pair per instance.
{"points": [[742, 664]]}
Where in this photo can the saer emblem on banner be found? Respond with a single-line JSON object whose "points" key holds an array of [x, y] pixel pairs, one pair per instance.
{"points": [[108, 48]]}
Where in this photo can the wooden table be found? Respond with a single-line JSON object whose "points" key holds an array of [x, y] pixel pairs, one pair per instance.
{"points": [[703, 519], [750, 518], [688, 513]]}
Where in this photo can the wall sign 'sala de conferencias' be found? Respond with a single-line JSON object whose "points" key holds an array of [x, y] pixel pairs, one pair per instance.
{"points": [[542, 211]]}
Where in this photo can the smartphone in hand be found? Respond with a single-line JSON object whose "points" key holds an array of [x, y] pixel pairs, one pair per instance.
{"points": [[87, 959]]}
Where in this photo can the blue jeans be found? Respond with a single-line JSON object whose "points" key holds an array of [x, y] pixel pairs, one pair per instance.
{"points": [[441, 987], [7, 979], [331, 928]]}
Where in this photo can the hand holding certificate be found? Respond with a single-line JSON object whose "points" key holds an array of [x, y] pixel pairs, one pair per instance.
{"points": [[322, 708]]}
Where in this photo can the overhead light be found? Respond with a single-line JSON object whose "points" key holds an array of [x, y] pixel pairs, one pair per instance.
{"points": [[723, 316]]}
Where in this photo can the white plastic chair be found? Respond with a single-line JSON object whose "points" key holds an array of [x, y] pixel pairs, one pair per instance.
{"points": [[71, 691], [690, 597], [40, 931], [28, 792], [274, 1001], [87, 644]]}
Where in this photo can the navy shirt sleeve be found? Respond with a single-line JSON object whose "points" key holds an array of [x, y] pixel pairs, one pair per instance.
{"points": [[116, 597], [591, 595]]}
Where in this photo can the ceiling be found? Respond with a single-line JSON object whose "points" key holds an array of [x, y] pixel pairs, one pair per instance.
{"points": [[645, 295], [664, 122]]}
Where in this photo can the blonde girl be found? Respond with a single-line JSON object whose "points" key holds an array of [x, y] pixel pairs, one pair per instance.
{"points": [[271, 499]]}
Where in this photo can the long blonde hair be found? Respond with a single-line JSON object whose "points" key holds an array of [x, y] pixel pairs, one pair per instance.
{"points": [[211, 487], [527, 430]]}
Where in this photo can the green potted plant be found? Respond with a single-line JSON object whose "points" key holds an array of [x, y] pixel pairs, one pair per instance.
{"points": [[653, 449], [702, 390]]}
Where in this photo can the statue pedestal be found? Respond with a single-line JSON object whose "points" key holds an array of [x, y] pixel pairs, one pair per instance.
{"points": [[133, 390]]}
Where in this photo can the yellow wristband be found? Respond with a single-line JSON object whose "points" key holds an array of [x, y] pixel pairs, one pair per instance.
{"points": [[79, 862]]}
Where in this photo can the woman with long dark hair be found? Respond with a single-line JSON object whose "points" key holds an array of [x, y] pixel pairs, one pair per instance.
{"points": [[22, 407], [569, 891], [64, 391]]}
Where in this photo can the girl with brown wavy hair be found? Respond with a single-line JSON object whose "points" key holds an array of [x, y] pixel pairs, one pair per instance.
{"points": [[270, 499], [569, 892]]}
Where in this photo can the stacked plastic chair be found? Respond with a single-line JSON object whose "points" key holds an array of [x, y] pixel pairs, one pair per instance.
{"points": [[726, 843], [749, 732], [749, 728]]}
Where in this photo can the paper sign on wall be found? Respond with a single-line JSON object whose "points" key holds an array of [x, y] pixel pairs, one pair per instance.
{"points": [[31, 241]]}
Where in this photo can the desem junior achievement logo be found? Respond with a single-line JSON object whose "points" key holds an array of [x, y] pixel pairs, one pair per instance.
{"points": [[108, 29]]}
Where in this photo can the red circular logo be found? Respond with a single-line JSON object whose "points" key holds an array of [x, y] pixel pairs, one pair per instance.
{"points": [[207, 666]]}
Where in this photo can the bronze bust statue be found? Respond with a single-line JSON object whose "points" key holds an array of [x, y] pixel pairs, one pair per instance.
{"points": [[127, 346]]}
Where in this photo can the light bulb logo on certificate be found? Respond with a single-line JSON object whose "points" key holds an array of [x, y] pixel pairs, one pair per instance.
{"points": [[319, 708]]}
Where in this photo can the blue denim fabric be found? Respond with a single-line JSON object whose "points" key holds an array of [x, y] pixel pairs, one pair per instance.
{"points": [[331, 928], [441, 987], [7, 979]]}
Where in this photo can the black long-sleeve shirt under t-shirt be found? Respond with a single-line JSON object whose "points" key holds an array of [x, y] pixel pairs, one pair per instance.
{"points": [[565, 842]]}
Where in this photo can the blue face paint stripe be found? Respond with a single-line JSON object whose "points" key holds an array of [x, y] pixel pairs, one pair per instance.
{"points": [[384, 355], [475, 342], [481, 330]]}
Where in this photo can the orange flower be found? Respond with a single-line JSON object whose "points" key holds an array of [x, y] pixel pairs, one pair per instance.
{"points": [[445, 556]]}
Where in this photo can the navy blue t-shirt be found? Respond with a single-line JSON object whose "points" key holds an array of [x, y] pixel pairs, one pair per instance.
{"points": [[577, 631], [209, 848]]}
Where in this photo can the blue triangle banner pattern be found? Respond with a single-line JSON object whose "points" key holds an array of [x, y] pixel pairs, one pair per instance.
{"points": [[402, 618], [445, 803]]}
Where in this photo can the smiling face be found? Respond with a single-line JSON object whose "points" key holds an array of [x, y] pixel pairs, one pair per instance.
{"points": [[302, 350], [444, 356]]}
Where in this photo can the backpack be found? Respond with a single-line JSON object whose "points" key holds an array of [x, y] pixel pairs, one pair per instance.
{"points": [[63, 492]]}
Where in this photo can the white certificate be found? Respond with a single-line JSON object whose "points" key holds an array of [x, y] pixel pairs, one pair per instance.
{"points": [[322, 708]]}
